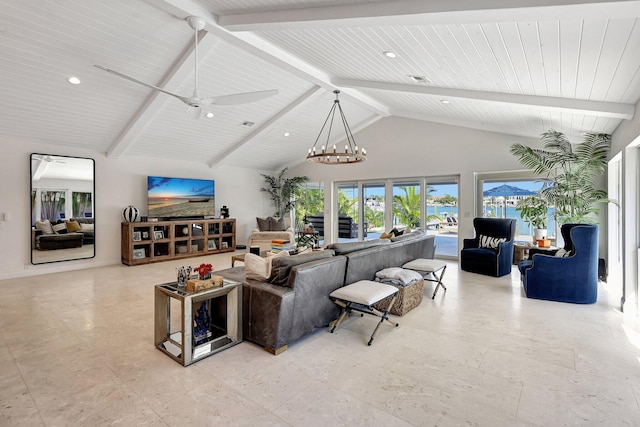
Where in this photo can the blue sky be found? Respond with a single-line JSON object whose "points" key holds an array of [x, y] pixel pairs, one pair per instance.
{"points": [[452, 189]]}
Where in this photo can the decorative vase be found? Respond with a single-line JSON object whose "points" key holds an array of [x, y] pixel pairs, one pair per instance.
{"points": [[224, 212], [130, 214]]}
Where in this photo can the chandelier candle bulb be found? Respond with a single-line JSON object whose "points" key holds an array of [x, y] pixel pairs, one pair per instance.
{"points": [[334, 148], [323, 149]]}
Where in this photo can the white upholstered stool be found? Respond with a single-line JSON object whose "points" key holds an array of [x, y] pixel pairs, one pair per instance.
{"points": [[427, 267], [363, 294]]}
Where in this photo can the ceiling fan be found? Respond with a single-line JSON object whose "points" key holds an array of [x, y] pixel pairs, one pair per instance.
{"points": [[195, 102], [48, 159]]}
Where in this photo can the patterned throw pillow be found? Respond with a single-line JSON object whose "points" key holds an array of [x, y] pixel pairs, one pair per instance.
{"points": [[562, 253], [490, 242]]}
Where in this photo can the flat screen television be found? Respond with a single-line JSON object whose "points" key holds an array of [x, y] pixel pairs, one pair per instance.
{"points": [[180, 197]]}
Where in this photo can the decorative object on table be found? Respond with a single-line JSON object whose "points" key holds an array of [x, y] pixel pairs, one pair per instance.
{"points": [[224, 212], [197, 285], [225, 245], [158, 234], [534, 211], [137, 236], [145, 235], [201, 332], [211, 245], [204, 271], [282, 191], [143, 218], [185, 230], [574, 176], [544, 243], [130, 214], [183, 274], [335, 156], [138, 253]]}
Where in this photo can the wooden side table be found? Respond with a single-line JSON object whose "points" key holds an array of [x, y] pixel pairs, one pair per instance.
{"points": [[218, 325]]}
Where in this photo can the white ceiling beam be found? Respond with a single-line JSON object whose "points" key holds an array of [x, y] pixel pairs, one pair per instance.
{"points": [[41, 168], [421, 12], [595, 108], [260, 48], [175, 76], [305, 98]]}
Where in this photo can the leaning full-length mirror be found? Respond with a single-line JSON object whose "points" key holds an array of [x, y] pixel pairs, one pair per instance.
{"points": [[62, 208]]}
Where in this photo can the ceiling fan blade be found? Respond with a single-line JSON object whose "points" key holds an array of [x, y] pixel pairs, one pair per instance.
{"points": [[239, 98], [124, 76]]}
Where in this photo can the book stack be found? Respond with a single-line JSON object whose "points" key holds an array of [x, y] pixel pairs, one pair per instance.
{"points": [[278, 245]]}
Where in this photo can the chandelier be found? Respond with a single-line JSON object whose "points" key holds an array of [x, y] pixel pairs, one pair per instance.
{"points": [[332, 155]]}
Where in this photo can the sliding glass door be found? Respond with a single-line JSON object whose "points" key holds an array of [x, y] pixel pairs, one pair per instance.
{"points": [[373, 204]]}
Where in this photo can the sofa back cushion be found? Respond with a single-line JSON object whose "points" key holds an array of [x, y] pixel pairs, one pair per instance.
{"points": [[281, 267], [348, 247]]}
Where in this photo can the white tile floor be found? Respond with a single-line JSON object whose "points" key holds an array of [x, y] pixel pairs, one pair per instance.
{"points": [[77, 349]]}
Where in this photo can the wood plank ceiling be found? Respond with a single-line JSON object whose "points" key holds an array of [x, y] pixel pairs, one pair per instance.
{"points": [[517, 67]]}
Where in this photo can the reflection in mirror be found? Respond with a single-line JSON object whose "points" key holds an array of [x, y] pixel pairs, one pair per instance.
{"points": [[62, 208]]}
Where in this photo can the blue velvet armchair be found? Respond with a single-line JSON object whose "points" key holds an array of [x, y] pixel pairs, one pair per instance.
{"points": [[492, 255], [567, 279]]}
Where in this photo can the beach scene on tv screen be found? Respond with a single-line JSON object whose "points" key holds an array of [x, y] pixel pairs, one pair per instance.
{"points": [[180, 197]]}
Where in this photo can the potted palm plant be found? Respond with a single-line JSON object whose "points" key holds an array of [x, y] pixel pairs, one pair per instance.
{"points": [[282, 191], [574, 174], [533, 210]]}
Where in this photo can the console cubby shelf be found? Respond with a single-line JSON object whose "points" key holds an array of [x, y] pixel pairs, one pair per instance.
{"points": [[146, 242]]}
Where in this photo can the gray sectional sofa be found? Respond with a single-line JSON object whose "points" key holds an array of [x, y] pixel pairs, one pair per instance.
{"points": [[277, 314]]}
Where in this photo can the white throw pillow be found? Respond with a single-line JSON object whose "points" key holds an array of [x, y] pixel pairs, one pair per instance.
{"points": [[86, 227], [490, 242], [45, 226], [259, 268], [256, 267], [60, 228]]}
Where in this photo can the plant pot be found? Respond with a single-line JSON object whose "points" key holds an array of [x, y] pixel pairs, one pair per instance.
{"points": [[539, 234]]}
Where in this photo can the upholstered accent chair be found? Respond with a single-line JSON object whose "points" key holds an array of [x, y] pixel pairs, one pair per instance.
{"points": [[491, 251], [270, 229], [566, 275]]}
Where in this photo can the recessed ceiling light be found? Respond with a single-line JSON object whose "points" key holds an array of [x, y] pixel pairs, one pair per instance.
{"points": [[444, 101], [209, 115], [419, 79], [286, 134], [73, 80], [390, 54]]}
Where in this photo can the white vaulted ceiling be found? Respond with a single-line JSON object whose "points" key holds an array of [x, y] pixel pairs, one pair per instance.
{"points": [[517, 67]]}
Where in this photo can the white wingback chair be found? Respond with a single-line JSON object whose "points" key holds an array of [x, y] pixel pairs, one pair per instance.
{"points": [[263, 238]]}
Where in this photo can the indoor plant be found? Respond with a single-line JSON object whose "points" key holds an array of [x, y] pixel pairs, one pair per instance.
{"points": [[282, 190], [573, 175], [533, 210]]}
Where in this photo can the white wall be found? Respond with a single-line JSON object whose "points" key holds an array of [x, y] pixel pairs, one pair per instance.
{"points": [[626, 140], [398, 147], [119, 183]]}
